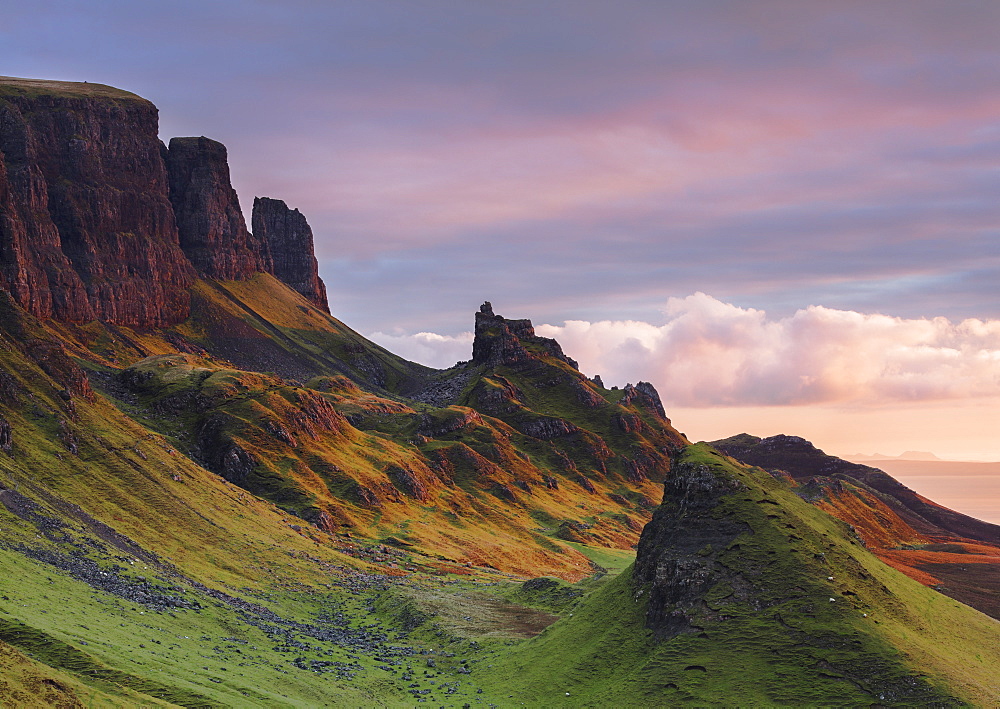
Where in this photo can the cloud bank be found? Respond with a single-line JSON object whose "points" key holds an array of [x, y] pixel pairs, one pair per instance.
{"points": [[439, 351], [710, 353]]}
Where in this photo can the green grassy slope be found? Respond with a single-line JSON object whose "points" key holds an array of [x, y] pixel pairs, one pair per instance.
{"points": [[109, 514], [345, 450], [178, 530], [262, 325], [764, 631]]}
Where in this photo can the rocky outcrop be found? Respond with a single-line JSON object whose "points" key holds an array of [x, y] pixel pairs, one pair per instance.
{"points": [[409, 482], [499, 341], [288, 240], [222, 454], [547, 428], [448, 421], [210, 224], [86, 228], [677, 558], [497, 396], [100, 221], [645, 395], [6, 435]]}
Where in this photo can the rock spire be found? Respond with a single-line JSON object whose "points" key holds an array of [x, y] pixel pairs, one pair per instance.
{"points": [[286, 236]]}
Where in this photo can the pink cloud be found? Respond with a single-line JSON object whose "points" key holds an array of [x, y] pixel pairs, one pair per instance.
{"points": [[431, 349], [711, 353], [849, 381]]}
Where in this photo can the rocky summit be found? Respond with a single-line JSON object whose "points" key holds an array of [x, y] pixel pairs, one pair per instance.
{"points": [[213, 493]]}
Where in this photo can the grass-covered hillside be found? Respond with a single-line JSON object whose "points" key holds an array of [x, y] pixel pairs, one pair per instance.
{"points": [[743, 594], [257, 507], [939, 547], [214, 494], [179, 529]]}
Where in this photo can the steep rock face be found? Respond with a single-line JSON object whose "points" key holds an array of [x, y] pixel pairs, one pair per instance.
{"points": [[210, 224], [86, 228], [98, 220], [286, 236], [679, 551], [500, 341]]}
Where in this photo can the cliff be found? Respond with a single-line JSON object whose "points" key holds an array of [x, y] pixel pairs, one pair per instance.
{"points": [[210, 224], [86, 228], [99, 221], [287, 238]]}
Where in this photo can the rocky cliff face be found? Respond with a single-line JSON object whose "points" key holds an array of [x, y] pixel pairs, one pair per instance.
{"points": [[501, 341], [86, 229], [679, 553], [98, 220], [210, 224], [286, 236]]}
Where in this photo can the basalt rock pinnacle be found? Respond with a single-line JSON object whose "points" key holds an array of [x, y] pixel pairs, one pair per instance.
{"points": [[210, 224], [286, 236], [500, 341]]}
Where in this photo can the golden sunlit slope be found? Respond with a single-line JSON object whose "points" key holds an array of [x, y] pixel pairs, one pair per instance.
{"points": [[262, 325], [449, 479], [143, 475], [318, 428]]}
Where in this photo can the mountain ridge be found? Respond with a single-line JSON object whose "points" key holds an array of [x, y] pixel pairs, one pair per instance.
{"points": [[101, 221], [214, 493]]}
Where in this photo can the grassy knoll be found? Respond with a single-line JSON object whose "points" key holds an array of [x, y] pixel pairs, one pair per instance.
{"points": [[799, 649]]}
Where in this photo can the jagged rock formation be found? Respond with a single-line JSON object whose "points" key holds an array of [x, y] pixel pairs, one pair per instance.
{"points": [[98, 221], [210, 224], [288, 239], [679, 550], [644, 394], [86, 229], [500, 341]]}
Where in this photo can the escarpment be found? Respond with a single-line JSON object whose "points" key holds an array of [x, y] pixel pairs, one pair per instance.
{"points": [[286, 236], [805, 463], [86, 229], [100, 221], [210, 225]]}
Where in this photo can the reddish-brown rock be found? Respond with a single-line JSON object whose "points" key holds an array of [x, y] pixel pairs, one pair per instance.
{"points": [[500, 341], [86, 228], [288, 239], [210, 224], [98, 220]]}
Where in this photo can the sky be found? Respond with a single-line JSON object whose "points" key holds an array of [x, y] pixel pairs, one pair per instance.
{"points": [[785, 215]]}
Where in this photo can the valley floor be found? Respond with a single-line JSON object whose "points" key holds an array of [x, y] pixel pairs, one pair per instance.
{"points": [[75, 632]]}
